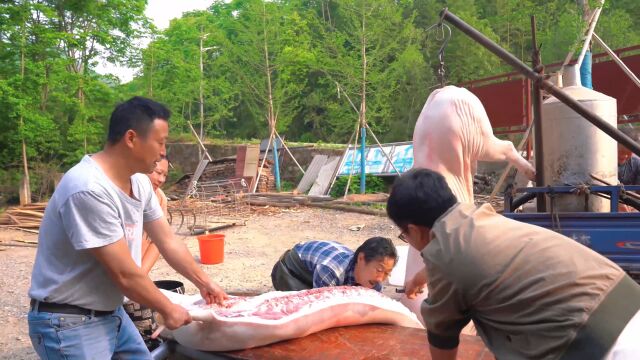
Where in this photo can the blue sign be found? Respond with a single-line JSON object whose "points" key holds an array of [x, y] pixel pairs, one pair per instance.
{"points": [[377, 163]]}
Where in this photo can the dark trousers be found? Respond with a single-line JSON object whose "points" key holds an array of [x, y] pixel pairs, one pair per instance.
{"points": [[290, 273]]}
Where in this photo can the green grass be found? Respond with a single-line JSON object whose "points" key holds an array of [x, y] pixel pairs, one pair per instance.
{"points": [[287, 186], [374, 184], [218, 141], [189, 138], [373, 206], [318, 145]]}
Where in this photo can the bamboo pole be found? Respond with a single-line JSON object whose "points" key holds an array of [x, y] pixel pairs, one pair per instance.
{"points": [[199, 142], [255, 184], [353, 161], [289, 152], [617, 60]]}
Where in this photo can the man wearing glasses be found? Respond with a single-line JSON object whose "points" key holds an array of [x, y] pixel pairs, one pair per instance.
{"points": [[416, 284], [317, 264], [531, 292]]}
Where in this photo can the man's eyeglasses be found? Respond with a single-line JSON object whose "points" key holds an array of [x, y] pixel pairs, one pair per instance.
{"points": [[402, 237]]}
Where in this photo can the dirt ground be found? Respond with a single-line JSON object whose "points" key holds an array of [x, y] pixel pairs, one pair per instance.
{"points": [[250, 252]]}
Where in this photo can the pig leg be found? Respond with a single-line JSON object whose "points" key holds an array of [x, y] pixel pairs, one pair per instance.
{"points": [[494, 149], [414, 264], [501, 150]]}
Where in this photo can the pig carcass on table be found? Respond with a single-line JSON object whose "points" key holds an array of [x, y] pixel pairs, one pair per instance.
{"points": [[246, 322], [451, 135]]}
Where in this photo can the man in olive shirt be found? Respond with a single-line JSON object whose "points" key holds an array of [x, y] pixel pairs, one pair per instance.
{"points": [[532, 293]]}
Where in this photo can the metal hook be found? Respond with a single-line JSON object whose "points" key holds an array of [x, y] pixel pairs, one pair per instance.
{"points": [[446, 38], [443, 36], [441, 68]]}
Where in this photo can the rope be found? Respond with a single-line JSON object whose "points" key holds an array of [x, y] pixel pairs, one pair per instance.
{"points": [[555, 218], [585, 190], [622, 193]]}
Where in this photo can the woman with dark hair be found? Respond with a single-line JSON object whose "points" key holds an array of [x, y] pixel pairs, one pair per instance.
{"points": [[315, 264], [158, 176]]}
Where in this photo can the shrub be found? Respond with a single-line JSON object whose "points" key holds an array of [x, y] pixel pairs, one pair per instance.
{"points": [[373, 184]]}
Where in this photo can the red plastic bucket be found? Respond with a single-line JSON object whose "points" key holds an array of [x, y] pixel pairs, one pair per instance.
{"points": [[211, 248]]}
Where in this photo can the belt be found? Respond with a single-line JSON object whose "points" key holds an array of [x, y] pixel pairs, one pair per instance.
{"points": [[596, 337], [66, 309]]}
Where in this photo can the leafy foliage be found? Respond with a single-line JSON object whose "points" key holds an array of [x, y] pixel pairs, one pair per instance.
{"points": [[374, 185], [52, 99], [303, 56]]}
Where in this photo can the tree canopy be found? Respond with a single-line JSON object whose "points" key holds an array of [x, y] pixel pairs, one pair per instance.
{"points": [[300, 62]]}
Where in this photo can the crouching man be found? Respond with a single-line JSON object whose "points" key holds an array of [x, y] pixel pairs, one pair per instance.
{"points": [[317, 264], [532, 293]]}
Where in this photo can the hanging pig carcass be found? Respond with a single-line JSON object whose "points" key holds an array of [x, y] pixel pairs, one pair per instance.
{"points": [[451, 135]]}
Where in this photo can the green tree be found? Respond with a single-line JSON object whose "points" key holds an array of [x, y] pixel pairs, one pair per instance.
{"points": [[93, 28], [171, 73], [53, 101]]}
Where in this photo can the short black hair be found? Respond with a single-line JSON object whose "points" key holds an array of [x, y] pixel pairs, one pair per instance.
{"points": [[137, 113], [419, 197], [377, 248]]}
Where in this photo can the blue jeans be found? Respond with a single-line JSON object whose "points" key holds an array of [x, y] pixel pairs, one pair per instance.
{"points": [[66, 336]]}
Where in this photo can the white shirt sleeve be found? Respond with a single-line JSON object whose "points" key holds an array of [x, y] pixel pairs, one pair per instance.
{"points": [[91, 220]]}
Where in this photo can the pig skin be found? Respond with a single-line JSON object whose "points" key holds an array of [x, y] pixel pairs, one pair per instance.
{"points": [[246, 322], [451, 134]]}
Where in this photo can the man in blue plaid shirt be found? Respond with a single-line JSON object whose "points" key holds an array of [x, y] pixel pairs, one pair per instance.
{"points": [[317, 264]]}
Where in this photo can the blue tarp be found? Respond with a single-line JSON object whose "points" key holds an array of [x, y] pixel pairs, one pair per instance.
{"points": [[585, 71], [376, 162]]}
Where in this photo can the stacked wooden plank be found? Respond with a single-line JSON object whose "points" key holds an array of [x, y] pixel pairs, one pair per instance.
{"points": [[219, 169], [224, 169], [247, 162], [23, 217], [319, 175], [311, 174], [267, 181]]}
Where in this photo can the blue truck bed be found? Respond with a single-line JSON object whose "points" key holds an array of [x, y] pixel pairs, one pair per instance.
{"points": [[614, 235]]}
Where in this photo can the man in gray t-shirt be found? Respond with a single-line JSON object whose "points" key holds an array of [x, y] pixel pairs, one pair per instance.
{"points": [[89, 246]]}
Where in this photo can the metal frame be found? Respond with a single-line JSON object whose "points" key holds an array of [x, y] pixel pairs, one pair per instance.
{"points": [[614, 235], [211, 202], [525, 70], [520, 126], [613, 191]]}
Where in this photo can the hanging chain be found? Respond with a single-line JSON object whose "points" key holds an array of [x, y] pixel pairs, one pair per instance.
{"points": [[441, 72], [444, 37]]}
